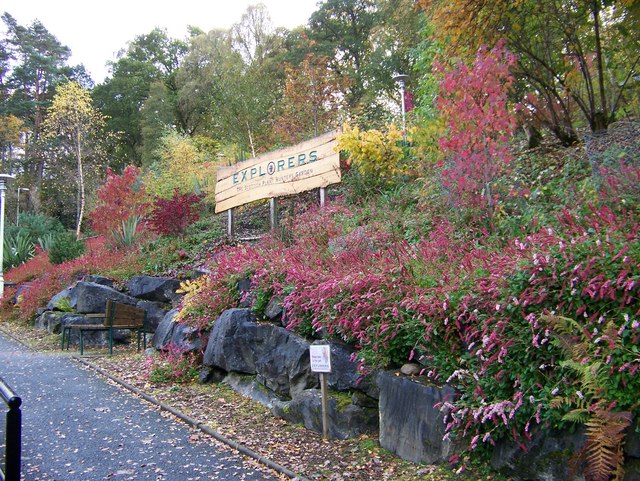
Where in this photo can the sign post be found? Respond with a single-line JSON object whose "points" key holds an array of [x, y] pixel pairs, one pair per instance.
{"points": [[320, 355]]}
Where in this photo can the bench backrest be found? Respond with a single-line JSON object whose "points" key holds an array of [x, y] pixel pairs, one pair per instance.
{"points": [[118, 314]]}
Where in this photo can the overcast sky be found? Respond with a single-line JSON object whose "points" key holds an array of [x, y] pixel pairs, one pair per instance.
{"points": [[96, 30]]}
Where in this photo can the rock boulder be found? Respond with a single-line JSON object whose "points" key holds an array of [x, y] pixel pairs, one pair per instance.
{"points": [[409, 424], [64, 300], [92, 297], [156, 289]]}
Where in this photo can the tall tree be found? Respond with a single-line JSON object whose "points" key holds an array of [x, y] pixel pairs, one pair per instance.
{"points": [[38, 62], [312, 101], [199, 80], [342, 32], [149, 58], [252, 33], [78, 126]]}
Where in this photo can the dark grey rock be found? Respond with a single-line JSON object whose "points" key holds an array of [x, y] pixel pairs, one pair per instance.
{"points": [[344, 375], [164, 331], [306, 408], [409, 424], [155, 313], [358, 398], [64, 300], [277, 356], [49, 321], [92, 297], [273, 311], [187, 338], [236, 342], [103, 281], [547, 457], [248, 386], [632, 442], [285, 367], [246, 296], [157, 289], [209, 375]]}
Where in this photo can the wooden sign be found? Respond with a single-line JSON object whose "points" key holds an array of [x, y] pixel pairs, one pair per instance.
{"points": [[306, 166]]}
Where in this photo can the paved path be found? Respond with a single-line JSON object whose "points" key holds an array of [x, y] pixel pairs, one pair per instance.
{"points": [[79, 427]]}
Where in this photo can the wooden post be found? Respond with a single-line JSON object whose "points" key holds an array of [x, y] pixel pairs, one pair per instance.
{"points": [[325, 405], [323, 196], [231, 228], [273, 211]]}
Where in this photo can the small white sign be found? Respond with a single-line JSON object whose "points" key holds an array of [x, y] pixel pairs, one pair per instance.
{"points": [[320, 357]]}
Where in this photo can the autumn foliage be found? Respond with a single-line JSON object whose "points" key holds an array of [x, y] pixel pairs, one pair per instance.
{"points": [[474, 104], [120, 198], [173, 216]]}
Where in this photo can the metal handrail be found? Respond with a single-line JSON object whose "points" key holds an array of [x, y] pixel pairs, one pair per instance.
{"points": [[13, 443]]}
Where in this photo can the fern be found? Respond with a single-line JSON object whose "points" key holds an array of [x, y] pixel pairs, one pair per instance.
{"points": [[580, 415], [603, 451], [605, 436]]}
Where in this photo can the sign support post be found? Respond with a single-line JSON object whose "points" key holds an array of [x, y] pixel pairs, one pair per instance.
{"points": [[273, 213], [231, 228], [325, 405], [320, 355]]}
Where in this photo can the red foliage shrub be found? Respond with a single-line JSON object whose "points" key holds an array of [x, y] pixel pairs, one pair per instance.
{"points": [[120, 198], [474, 102], [34, 267], [97, 259], [173, 216]]}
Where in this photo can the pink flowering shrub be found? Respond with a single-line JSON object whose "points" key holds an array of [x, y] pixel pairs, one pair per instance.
{"points": [[508, 324]]}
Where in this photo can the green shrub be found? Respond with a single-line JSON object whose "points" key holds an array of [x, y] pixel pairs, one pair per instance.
{"points": [[38, 225], [128, 234], [65, 247], [18, 248], [46, 241]]}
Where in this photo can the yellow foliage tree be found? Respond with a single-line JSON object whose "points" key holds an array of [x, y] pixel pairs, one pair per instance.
{"points": [[376, 154], [11, 129], [79, 126], [187, 164]]}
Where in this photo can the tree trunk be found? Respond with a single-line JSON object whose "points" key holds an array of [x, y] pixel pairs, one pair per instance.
{"points": [[601, 116], [253, 149], [81, 194]]}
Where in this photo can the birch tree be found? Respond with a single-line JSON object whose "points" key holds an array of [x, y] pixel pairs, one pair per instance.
{"points": [[78, 127]]}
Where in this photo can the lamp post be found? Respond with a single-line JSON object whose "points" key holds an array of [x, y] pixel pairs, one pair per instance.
{"points": [[4, 181], [402, 80], [23, 189]]}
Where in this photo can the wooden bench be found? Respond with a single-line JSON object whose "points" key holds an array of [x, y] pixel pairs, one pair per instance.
{"points": [[117, 316]]}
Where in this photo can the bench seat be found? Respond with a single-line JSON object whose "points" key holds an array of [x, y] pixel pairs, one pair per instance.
{"points": [[117, 316]]}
